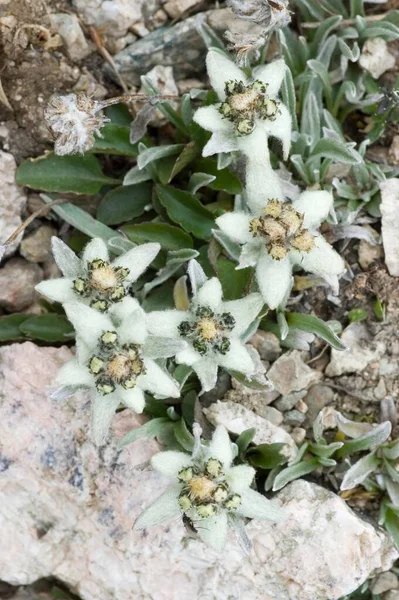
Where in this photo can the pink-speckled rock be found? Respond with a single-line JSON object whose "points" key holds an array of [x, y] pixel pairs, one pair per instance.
{"points": [[67, 509]]}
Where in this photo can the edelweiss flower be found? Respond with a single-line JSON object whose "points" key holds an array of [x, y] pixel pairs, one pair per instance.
{"points": [[93, 279], [73, 120], [249, 111], [278, 235], [212, 329], [208, 490], [115, 359]]}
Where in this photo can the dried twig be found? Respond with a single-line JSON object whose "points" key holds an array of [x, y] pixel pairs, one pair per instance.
{"points": [[345, 22], [106, 55]]}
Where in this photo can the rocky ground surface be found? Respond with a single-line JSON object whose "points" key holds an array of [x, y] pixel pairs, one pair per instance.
{"points": [[78, 506]]}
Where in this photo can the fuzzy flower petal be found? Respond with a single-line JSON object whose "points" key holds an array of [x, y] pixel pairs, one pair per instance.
{"points": [[221, 447], [73, 374], [170, 462], [103, 410], [274, 278], [165, 322], [237, 359], [213, 531], [137, 260], [220, 141], [207, 371], [256, 506], [280, 128], [315, 207], [89, 323], [165, 508], [96, 248], [58, 290], [188, 356], [240, 478], [321, 260], [244, 311], [133, 399], [236, 226], [210, 119], [221, 69], [250, 254], [210, 294], [157, 381], [163, 347], [272, 75], [65, 258]]}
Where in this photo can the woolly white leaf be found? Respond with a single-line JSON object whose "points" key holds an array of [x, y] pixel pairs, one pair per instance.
{"points": [[137, 260], [237, 358], [96, 248], [197, 276], [165, 508], [89, 323], [211, 119], [240, 477], [315, 207], [220, 70], [321, 260], [210, 294], [256, 506], [274, 278], [213, 531], [221, 446], [133, 399], [157, 381], [207, 371], [236, 226], [360, 471], [58, 290], [170, 462], [103, 410], [272, 75], [65, 258]]}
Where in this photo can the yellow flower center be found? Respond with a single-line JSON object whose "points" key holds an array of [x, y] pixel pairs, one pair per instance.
{"points": [[119, 367], [104, 278], [243, 101], [208, 328], [201, 487]]}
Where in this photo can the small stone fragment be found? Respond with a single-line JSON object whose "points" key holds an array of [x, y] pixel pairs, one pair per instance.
{"points": [[36, 247], [384, 582], [302, 407], [391, 595], [237, 419], [316, 399], [267, 344], [273, 415], [12, 200], [70, 31], [17, 282], [369, 253], [390, 224], [376, 58], [115, 17], [176, 8], [394, 150], [298, 434], [290, 374], [288, 402], [362, 351], [294, 417]]}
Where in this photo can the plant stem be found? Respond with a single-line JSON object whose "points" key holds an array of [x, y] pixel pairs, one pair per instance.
{"points": [[345, 22]]}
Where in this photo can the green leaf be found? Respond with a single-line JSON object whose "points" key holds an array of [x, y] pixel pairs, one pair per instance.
{"points": [[266, 456], [115, 140], [289, 96], [124, 203], [324, 30], [325, 450], [10, 330], [186, 210], [169, 236], [149, 155], [312, 324], [190, 399], [183, 436], [372, 439], [357, 314], [150, 430], [199, 180], [234, 281], [294, 472], [190, 152], [164, 107], [75, 174], [244, 439], [136, 175], [84, 222], [48, 328], [391, 524], [337, 151], [225, 180]]}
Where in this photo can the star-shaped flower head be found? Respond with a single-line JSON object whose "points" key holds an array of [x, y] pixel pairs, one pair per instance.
{"points": [[213, 329], [278, 235], [94, 280], [73, 120], [209, 490], [116, 361], [249, 110]]}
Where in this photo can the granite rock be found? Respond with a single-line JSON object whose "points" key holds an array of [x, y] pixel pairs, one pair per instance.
{"points": [[17, 284], [12, 201], [290, 374], [390, 223], [376, 57], [362, 350]]}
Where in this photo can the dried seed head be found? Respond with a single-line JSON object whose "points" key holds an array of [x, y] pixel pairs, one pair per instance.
{"points": [[73, 120]]}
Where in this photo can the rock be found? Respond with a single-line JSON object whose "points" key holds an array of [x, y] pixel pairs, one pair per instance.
{"points": [[361, 351], [369, 253], [176, 8], [115, 17], [391, 595], [288, 402], [384, 583], [317, 398], [298, 434], [17, 282], [68, 28], [267, 344], [394, 150], [273, 415], [237, 418], [186, 85], [294, 417], [376, 58], [290, 374], [12, 201], [36, 247], [179, 46], [67, 509], [254, 400], [390, 224]]}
